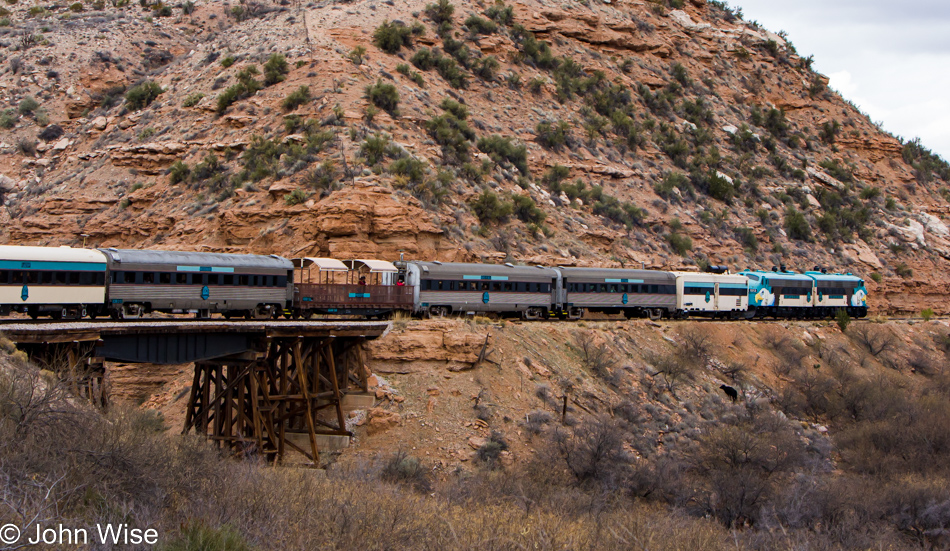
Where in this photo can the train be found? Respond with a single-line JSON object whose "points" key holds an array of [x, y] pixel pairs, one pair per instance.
{"points": [[71, 283]]}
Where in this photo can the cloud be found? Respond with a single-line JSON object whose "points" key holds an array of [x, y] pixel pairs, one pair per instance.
{"points": [[888, 58]]}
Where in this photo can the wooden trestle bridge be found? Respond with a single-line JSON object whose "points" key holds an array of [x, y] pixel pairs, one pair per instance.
{"points": [[260, 387]]}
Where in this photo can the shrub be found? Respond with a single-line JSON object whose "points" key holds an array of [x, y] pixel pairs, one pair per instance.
{"points": [[451, 131], [440, 12], [356, 55], [188, 7], [424, 59], [50, 133], [552, 135], [401, 468], [536, 85], [842, 319], [609, 207], [903, 270], [490, 209], [275, 70], [477, 25], [500, 13], [390, 37], [503, 150], [246, 86], [747, 238], [296, 197], [796, 225], [927, 313], [178, 172], [193, 99], [197, 535], [27, 106], [8, 118], [296, 98], [877, 277], [490, 452], [486, 67], [384, 96], [374, 149], [680, 243], [26, 146], [449, 70], [228, 61], [76, 7], [410, 167], [142, 95], [526, 210]]}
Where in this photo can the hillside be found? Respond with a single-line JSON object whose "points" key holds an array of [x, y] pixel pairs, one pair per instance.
{"points": [[663, 133]]}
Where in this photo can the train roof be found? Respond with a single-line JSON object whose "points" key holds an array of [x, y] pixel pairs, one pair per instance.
{"points": [[469, 269], [322, 264], [615, 273], [819, 276], [705, 276], [50, 254], [783, 275], [184, 258]]}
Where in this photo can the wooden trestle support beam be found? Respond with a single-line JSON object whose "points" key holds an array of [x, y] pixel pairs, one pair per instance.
{"points": [[252, 405]]}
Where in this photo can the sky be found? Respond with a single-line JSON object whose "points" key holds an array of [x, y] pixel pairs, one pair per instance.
{"points": [[890, 58]]}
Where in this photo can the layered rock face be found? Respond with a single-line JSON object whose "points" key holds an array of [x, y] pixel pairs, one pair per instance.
{"points": [[657, 134]]}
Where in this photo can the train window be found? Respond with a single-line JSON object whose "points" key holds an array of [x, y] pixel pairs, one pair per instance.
{"points": [[73, 278], [508, 287], [148, 277], [229, 279], [127, 277], [4, 276], [85, 278], [100, 278], [59, 278], [203, 278], [181, 279], [282, 281], [242, 280], [164, 278]]}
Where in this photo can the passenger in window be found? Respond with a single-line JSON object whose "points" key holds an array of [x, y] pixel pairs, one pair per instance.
{"points": [[400, 282], [362, 280]]}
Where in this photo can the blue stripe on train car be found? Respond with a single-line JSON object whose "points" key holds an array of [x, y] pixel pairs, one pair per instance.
{"points": [[623, 281], [43, 265], [486, 278], [215, 269], [359, 295]]}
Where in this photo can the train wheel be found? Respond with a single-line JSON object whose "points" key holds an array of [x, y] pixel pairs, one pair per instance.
{"points": [[438, 311], [307, 314], [656, 314]]}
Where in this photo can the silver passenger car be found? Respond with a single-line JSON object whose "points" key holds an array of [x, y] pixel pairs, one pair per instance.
{"points": [[612, 291], [443, 288], [200, 283]]}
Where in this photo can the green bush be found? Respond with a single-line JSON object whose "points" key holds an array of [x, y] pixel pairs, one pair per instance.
{"points": [[390, 37], [500, 13], [424, 59], [178, 172], [680, 243], [228, 61], [27, 106], [486, 67], [503, 150], [192, 99], [842, 319], [246, 86], [796, 225], [440, 12], [904, 271], [296, 197], [490, 209], [76, 7], [527, 210], [142, 95], [451, 131], [275, 70], [611, 208], [552, 135], [877, 277], [197, 536], [554, 175], [477, 25], [671, 181], [296, 98], [385, 96], [356, 55], [374, 149], [449, 70], [410, 167], [8, 118], [927, 313], [747, 238]]}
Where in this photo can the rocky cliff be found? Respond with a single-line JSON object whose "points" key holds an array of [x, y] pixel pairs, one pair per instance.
{"points": [[663, 133]]}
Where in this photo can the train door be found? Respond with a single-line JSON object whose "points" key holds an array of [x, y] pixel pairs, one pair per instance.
{"points": [[717, 306]]}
